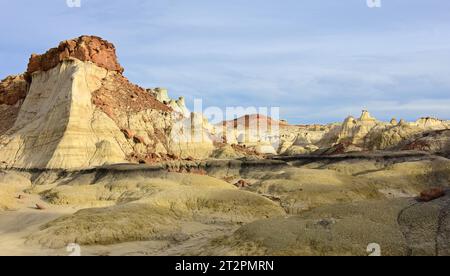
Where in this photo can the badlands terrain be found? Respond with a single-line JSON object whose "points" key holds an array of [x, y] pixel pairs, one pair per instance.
{"points": [[87, 157]]}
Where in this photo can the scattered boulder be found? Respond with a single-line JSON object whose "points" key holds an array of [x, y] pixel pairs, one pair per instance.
{"points": [[139, 139], [39, 207], [431, 194], [129, 134], [242, 184]]}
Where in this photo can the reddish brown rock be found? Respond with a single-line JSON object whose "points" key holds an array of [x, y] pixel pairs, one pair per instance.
{"points": [[129, 134], [417, 145], [113, 97], [431, 194], [138, 140], [242, 184], [245, 151], [84, 48], [254, 121], [13, 89], [340, 148]]}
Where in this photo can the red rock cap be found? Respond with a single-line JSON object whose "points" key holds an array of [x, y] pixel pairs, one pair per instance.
{"points": [[84, 48]]}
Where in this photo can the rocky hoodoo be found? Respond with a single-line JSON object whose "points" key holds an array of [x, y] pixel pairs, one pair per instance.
{"points": [[363, 134], [71, 107], [366, 134]]}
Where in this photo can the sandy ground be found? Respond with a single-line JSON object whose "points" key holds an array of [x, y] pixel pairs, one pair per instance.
{"points": [[310, 209], [16, 225]]}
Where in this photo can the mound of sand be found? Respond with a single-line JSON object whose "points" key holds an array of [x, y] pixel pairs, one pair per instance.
{"points": [[399, 227], [330, 206], [318, 184], [147, 208]]}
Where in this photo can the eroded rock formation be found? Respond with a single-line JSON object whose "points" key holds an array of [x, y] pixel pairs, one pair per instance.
{"points": [[13, 91], [76, 110], [85, 48], [73, 108], [366, 134]]}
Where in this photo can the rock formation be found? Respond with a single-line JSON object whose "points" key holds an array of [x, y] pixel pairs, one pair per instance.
{"points": [[365, 116], [13, 91], [75, 111], [256, 131], [74, 108], [73, 129], [85, 48], [162, 95], [366, 134]]}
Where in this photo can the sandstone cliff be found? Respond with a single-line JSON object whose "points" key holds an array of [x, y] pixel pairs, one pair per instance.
{"points": [[79, 111]]}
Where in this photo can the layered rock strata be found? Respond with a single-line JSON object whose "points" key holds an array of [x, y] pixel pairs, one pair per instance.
{"points": [[75, 109]]}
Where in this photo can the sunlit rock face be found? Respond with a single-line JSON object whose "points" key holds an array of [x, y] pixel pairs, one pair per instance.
{"points": [[58, 126], [363, 134], [85, 48], [74, 109]]}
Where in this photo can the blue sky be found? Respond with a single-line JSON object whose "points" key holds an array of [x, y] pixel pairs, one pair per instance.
{"points": [[318, 60]]}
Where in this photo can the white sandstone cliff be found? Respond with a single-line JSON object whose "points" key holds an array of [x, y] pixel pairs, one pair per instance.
{"points": [[58, 127]]}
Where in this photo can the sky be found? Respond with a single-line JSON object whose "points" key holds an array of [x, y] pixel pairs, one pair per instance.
{"points": [[318, 60]]}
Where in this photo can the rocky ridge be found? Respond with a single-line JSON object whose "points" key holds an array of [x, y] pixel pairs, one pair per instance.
{"points": [[363, 134]]}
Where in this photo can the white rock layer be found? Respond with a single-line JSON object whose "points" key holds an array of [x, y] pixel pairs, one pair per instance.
{"points": [[58, 126]]}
